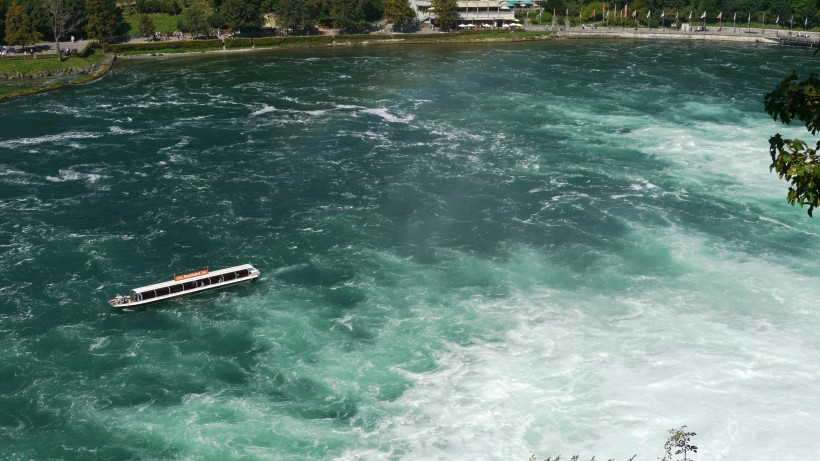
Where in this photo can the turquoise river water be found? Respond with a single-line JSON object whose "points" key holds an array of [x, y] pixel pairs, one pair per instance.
{"points": [[467, 252]]}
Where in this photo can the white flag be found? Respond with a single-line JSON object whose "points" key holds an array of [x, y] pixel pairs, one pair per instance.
{"points": [[690, 15], [777, 21], [735, 18], [663, 13], [648, 14], [703, 16]]}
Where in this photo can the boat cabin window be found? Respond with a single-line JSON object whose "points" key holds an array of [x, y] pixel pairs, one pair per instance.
{"points": [[147, 295], [229, 276]]}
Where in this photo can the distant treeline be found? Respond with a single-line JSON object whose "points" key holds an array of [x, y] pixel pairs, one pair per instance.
{"points": [[103, 19]]}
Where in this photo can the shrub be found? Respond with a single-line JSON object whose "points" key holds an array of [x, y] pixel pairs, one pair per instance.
{"points": [[174, 44], [294, 40], [238, 42]]}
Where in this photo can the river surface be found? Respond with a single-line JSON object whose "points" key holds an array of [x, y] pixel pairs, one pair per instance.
{"points": [[467, 252]]}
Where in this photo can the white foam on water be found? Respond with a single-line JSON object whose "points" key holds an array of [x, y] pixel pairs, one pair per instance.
{"points": [[68, 174], [54, 138], [733, 155], [114, 129], [386, 115], [264, 110], [727, 346], [11, 175]]}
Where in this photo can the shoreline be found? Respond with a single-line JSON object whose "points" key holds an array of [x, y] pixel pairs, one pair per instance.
{"points": [[102, 69], [407, 39], [730, 35], [736, 35]]}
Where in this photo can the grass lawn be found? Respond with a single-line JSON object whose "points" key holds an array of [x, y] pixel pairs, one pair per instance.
{"points": [[34, 66], [162, 22], [42, 66]]}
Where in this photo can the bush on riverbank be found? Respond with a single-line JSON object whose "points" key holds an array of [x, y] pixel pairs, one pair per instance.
{"points": [[169, 46], [307, 40], [231, 43]]}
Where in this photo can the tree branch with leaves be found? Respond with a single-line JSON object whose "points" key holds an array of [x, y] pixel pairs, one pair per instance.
{"points": [[680, 440], [793, 159], [63, 20]]}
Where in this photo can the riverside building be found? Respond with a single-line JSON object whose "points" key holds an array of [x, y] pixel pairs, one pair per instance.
{"points": [[480, 13]]}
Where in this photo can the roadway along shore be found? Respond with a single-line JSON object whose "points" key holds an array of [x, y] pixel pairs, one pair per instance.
{"points": [[725, 34]]}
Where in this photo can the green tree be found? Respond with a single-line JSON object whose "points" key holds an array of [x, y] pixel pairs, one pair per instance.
{"points": [[681, 441], [243, 15], [446, 13], [64, 19], [146, 27], [19, 30], [349, 16], [103, 17], [4, 6], [196, 22], [216, 20], [793, 159], [171, 8], [399, 13], [373, 10], [299, 16]]}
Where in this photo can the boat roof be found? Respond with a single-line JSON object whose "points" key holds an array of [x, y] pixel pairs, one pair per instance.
{"points": [[199, 277]]}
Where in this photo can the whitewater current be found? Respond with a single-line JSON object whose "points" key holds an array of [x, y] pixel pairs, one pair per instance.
{"points": [[472, 252]]}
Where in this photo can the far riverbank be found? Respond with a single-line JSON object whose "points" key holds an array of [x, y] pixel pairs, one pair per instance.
{"points": [[726, 34], [186, 48]]}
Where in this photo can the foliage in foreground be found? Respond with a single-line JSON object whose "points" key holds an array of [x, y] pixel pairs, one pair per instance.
{"points": [[679, 441], [574, 458], [793, 159]]}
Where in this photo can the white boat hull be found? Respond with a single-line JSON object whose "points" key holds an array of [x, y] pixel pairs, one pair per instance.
{"points": [[156, 293]]}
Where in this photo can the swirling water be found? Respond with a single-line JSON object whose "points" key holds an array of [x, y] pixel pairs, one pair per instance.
{"points": [[468, 252]]}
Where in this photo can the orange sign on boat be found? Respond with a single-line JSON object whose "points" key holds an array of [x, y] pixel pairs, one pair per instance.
{"points": [[191, 274]]}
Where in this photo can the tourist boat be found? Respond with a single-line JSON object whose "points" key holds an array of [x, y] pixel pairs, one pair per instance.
{"points": [[186, 284]]}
